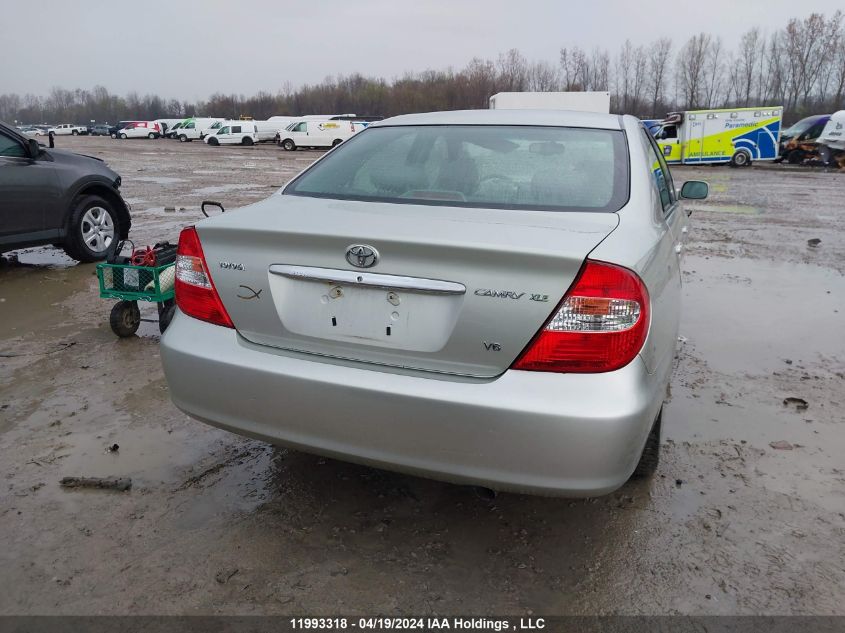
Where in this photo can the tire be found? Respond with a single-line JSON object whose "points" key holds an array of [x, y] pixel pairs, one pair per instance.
{"points": [[795, 157], [123, 136], [166, 311], [650, 457], [213, 141], [151, 136], [75, 132], [336, 142], [125, 318], [114, 135], [246, 140], [183, 138], [92, 227], [740, 159], [289, 145]]}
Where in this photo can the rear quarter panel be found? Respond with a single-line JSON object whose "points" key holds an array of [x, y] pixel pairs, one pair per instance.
{"points": [[645, 243]]}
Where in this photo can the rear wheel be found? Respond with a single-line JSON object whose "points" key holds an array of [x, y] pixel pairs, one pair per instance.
{"points": [[125, 318], [92, 228], [75, 132], [151, 135], [741, 159], [166, 311], [650, 457], [336, 142], [246, 140], [289, 145]]}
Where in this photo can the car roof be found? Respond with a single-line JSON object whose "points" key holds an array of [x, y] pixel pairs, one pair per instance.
{"points": [[562, 118]]}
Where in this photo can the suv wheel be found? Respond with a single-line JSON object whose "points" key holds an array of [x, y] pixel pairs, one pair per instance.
{"points": [[92, 228], [650, 457]]}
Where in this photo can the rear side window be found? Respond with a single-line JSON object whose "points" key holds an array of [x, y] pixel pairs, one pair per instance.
{"points": [[660, 172], [236, 129], [509, 167]]}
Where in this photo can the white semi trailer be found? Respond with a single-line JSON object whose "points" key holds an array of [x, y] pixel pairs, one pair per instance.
{"points": [[578, 101]]}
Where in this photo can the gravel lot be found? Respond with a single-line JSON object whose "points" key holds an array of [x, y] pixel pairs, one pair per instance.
{"points": [[746, 515]]}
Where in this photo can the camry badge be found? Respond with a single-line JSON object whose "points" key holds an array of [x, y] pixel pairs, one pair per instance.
{"points": [[362, 256]]}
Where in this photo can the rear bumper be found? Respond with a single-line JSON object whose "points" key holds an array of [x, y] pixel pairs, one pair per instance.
{"points": [[554, 434]]}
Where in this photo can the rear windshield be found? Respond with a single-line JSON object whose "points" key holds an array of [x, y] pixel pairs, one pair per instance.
{"points": [[509, 167]]}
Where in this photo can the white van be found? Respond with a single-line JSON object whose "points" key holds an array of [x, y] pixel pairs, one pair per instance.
{"points": [[194, 128], [233, 133], [318, 133]]}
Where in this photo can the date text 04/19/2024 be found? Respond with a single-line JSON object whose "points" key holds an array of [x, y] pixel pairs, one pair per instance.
{"points": [[418, 624]]}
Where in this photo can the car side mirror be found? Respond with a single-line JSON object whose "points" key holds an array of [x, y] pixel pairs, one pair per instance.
{"points": [[34, 148], [695, 190]]}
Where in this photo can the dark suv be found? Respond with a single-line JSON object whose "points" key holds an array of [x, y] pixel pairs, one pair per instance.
{"points": [[51, 196]]}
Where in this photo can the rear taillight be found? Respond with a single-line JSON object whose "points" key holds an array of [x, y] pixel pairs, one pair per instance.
{"points": [[196, 295], [600, 325]]}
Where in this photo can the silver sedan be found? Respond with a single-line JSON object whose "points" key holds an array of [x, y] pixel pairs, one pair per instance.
{"points": [[484, 297]]}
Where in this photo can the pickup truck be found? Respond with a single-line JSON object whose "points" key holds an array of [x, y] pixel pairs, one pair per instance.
{"points": [[68, 128]]}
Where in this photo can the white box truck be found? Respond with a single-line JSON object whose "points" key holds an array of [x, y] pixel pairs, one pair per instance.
{"points": [[577, 101]]}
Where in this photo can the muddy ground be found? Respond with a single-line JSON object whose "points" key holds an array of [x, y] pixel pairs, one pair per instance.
{"points": [[219, 524]]}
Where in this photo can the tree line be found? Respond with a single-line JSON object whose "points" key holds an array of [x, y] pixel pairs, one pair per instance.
{"points": [[801, 66]]}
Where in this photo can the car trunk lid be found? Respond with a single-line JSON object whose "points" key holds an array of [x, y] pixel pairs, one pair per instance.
{"points": [[453, 290]]}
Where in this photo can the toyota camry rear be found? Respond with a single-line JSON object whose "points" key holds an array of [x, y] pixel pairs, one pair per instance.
{"points": [[484, 297]]}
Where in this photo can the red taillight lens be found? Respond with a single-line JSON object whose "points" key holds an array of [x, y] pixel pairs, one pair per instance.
{"points": [[196, 295], [600, 325]]}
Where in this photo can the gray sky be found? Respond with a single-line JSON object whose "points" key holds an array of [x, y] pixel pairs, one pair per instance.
{"points": [[188, 49]]}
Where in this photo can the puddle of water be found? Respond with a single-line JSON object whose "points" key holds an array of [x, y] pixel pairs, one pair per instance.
{"points": [[159, 180], [748, 315], [205, 191], [741, 209], [31, 289]]}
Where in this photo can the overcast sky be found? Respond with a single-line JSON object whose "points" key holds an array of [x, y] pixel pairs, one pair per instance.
{"points": [[188, 49]]}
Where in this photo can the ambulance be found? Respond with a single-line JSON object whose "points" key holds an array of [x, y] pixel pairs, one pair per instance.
{"points": [[736, 136]]}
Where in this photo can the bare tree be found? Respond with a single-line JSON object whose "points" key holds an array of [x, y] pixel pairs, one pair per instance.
{"points": [[745, 65], [513, 71], [809, 45], [543, 77], [658, 65], [691, 69], [713, 70], [599, 70]]}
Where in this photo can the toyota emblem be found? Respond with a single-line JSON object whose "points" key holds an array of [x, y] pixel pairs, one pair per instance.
{"points": [[362, 256]]}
